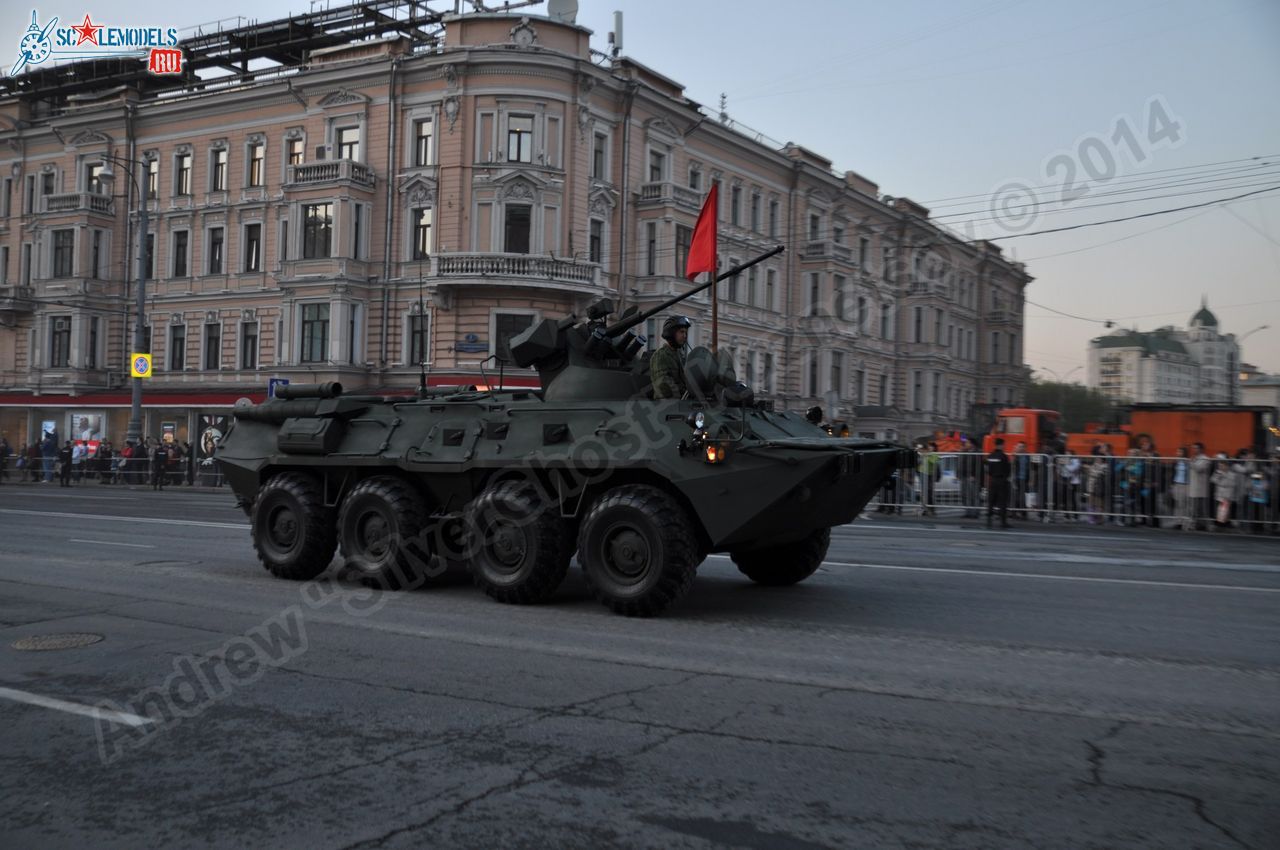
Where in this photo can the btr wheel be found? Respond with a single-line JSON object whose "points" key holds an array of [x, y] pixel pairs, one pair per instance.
{"points": [[638, 550], [291, 527], [382, 526], [519, 546], [785, 563]]}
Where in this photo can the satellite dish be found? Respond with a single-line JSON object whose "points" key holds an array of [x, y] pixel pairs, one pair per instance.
{"points": [[564, 11]]}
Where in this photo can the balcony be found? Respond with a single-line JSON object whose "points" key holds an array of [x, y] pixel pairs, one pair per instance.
{"points": [[16, 300], [331, 171], [75, 202], [1002, 317], [524, 270], [663, 194], [817, 249]]}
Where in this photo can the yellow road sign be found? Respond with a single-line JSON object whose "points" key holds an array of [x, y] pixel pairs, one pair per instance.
{"points": [[140, 365]]}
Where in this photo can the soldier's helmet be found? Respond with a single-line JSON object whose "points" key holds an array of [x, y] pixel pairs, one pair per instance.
{"points": [[672, 324]]}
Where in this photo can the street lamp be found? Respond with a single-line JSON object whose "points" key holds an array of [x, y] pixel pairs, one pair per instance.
{"points": [[1062, 381], [107, 175]]}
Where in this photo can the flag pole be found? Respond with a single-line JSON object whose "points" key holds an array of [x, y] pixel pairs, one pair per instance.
{"points": [[715, 310]]}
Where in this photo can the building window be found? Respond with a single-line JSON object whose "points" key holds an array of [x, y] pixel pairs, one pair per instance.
{"points": [[917, 326], [358, 217], [1013, 349], [651, 247], [418, 343], [752, 286], [657, 166], [735, 205], [520, 138], [837, 234], [150, 261], [884, 389], [95, 254], [248, 345], [595, 241], [293, 151], [180, 238], [64, 249], [422, 131], [684, 236], [348, 143], [859, 387], [48, 183], [840, 287], [815, 227], [317, 231], [253, 247], [91, 356], [767, 377], [283, 249], [505, 327], [917, 390], [93, 178], [182, 174], [218, 170], [815, 293], [995, 346], [755, 211], [599, 146], [735, 282], [213, 346], [773, 219], [516, 226], [257, 156], [60, 342], [837, 373], [938, 401], [422, 233], [315, 333], [864, 252], [153, 178], [813, 373], [886, 260], [770, 284], [215, 250], [177, 348], [695, 177]]}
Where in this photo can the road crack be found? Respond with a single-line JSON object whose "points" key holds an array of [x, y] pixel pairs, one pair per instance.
{"points": [[1097, 759]]}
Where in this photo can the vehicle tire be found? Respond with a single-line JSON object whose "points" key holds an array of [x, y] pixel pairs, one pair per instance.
{"points": [[291, 527], [638, 549], [785, 563], [381, 527], [519, 548]]}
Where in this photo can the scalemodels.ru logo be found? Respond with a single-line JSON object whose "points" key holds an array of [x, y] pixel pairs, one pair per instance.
{"points": [[88, 40]]}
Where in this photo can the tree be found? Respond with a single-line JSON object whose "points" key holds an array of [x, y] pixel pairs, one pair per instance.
{"points": [[1077, 403]]}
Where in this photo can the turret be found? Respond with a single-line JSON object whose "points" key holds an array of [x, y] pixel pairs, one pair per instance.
{"points": [[583, 360]]}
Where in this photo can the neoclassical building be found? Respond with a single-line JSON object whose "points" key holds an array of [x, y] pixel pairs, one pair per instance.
{"points": [[449, 179], [1195, 365]]}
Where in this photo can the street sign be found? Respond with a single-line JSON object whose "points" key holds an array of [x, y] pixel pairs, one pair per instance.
{"points": [[273, 384], [140, 365]]}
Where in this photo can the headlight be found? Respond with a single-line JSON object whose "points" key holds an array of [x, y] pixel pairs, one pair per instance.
{"points": [[696, 420]]}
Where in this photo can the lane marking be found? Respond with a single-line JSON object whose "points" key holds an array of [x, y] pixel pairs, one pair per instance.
{"points": [[111, 543], [144, 519], [1003, 574], [93, 711]]}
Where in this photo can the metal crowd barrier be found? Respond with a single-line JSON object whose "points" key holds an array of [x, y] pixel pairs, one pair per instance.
{"points": [[1240, 494]]}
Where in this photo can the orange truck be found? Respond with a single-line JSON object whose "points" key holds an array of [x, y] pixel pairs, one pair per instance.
{"points": [[1165, 427]]}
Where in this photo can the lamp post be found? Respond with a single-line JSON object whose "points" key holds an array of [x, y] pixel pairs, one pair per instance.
{"points": [[134, 432]]}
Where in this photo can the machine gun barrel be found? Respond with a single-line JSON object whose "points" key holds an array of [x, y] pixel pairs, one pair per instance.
{"points": [[628, 324]]}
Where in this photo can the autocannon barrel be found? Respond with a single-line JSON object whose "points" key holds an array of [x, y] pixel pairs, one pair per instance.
{"points": [[627, 324], [276, 411], [330, 389]]}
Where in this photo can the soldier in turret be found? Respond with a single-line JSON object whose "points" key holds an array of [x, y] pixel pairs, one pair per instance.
{"points": [[666, 367]]}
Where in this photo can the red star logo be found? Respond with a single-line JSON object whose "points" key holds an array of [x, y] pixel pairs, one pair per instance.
{"points": [[88, 31]]}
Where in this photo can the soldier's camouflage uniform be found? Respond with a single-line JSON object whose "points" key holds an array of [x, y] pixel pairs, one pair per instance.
{"points": [[666, 369]]}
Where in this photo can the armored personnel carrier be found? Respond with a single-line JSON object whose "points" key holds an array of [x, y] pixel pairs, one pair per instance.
{"points": [[512, 484]]}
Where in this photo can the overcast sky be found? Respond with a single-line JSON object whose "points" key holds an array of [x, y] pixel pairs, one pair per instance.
{"points": [[1166, 103]]}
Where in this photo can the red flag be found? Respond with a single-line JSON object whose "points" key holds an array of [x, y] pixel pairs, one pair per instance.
{"points": [[702, 247]]}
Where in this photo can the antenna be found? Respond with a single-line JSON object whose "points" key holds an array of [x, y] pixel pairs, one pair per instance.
{"points": [[615, 37], [564, 11], [422, 351]]}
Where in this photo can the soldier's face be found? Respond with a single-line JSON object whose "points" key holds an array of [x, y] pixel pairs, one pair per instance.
{"points": [[681, 337]]}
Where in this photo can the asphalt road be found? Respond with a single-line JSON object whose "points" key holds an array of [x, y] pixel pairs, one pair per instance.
{"points": [[934, 685]]}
